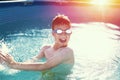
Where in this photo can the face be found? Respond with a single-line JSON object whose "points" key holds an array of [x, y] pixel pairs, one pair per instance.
{"points": [[62, 34]]}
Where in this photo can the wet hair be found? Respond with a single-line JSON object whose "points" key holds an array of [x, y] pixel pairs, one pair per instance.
{"points": [[60, 20]]}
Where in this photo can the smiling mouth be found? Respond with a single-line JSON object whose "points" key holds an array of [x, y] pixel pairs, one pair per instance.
{"points": [[62, 40]]}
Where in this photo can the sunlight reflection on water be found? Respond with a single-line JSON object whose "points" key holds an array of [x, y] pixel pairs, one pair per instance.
{"points": [[96, 46]]}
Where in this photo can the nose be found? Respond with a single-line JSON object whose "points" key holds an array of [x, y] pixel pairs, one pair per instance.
{"points": [[63, 33]]}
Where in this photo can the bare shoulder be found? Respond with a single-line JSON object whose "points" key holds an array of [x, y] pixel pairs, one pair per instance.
{"points": [[68, 55], [46, 47], [67, 51]]}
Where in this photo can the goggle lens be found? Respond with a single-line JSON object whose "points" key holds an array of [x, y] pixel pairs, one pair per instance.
{"points": [[59, 31], [68, 31]]}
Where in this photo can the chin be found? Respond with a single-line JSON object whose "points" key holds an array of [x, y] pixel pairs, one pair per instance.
{"points": [[64, 45]]}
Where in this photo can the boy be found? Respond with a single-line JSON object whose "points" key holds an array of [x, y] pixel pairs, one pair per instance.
{"points": [[57, 54]]}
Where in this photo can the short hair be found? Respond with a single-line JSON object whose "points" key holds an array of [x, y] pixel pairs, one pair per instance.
{"points": [[60, 20]]}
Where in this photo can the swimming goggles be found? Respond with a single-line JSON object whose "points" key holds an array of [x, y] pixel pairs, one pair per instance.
{"points": [[59, 31]]}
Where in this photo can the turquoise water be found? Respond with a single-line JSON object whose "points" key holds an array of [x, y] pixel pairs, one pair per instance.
{"points": [[25, 45], [96, 49]]}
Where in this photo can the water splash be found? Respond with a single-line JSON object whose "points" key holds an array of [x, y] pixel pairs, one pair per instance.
{"points": [[3, 67], [24, 46], [4, 48]]}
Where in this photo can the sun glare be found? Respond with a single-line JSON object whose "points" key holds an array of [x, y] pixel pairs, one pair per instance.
{"points": [[100, 2], [93, 41]]}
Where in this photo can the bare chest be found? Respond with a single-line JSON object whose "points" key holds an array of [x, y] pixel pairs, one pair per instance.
{"points": [[50, 53]]}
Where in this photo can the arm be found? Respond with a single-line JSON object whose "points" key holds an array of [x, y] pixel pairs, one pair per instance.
{"points": [[65, 56], [60, 57], [53, 61]]}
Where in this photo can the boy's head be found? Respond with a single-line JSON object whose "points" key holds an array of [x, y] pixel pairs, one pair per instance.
{"points": [[61, 30], [61, 20]]}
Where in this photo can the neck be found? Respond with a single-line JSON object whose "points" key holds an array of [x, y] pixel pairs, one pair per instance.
{"points": [[57, 46]]}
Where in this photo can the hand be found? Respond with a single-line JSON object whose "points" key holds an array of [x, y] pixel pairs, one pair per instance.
{"points": [[9, 60]]}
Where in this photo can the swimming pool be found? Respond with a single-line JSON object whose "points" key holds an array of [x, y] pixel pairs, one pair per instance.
{"points": [[25, 27]]}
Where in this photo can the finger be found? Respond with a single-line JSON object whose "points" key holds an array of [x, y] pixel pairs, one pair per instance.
{"points": [[2, 54], [3, 58]]}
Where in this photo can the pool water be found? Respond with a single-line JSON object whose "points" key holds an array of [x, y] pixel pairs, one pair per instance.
{"points": [[25, 45], [25, 28], [96, 49]]}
